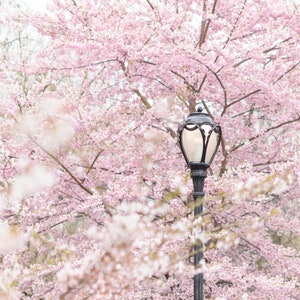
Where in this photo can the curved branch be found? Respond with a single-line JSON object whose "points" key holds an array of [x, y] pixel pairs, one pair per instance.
{"points": [[184, 80], [222, 86], [242, 143]]}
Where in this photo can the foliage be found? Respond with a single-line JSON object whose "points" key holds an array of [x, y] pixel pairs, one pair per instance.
{"points": [[94, 193]]}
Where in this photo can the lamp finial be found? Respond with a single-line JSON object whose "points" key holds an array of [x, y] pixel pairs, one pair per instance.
{"points": [[199, 108]]}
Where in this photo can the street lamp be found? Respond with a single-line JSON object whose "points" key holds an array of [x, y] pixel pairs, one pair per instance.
{"points": [[199, 138]]}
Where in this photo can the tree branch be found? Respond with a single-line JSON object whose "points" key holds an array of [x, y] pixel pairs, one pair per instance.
{"points": [[288, 71], [235, 24], [225, 155], [153, 79], [143, 98], [205, 23], [270, 162], [233, 29], [242, 143], [242, 61], [203, 30], [61, 164], [84, 66], [202, 83], [248, 111], [283, 123], [151, 5], [92, 165], [275, 47], [244, 97], [223, 88], [249, 243], [182, 77]]}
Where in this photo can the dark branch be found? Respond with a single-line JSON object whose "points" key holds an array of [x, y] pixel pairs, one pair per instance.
{"points": [[83, 66], [288, 71], [152, 7], [242, 143], [92, 165], [244, 97], [222, 86]]}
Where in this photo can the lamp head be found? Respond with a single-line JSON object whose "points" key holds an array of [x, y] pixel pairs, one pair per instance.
{"points": [[199, 138]]}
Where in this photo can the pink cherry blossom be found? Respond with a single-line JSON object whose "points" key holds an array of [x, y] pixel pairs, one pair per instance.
{"points": [[95, 197]]}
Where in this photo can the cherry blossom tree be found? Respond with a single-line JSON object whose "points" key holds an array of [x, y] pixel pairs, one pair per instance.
{"points": [[95, 197]]}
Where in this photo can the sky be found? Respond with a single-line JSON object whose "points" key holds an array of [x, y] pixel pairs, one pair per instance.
{"points": [[35, 5]]}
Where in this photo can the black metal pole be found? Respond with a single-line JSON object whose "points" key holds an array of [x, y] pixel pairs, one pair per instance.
{"points": [[198, 174]]}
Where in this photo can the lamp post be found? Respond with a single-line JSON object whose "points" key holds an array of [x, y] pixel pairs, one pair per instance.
{"points": [[199, 138]]}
